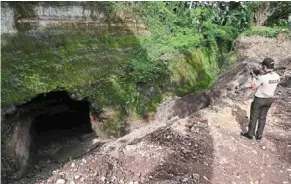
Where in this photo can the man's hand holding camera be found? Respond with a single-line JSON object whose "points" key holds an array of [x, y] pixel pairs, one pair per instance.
{"points": [[255, 73]]}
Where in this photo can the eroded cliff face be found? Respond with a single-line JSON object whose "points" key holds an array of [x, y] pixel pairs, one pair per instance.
{"points": [[169, 128], [41, 45], [193, 139], [48, 46], [203, 117], [36, 16]]}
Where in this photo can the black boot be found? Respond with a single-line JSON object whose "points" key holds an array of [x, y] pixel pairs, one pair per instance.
{"points": [[246, 135]]}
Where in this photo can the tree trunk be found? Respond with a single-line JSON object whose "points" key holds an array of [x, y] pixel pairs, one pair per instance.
{"points": [[262, 14]]}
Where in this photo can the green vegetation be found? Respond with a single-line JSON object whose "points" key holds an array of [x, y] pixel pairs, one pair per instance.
{"points": [[35, 66], [116, 67], [266, 31]]}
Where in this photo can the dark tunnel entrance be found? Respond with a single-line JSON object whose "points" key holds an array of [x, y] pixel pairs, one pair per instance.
{"points": [[58, 117], [58, 122]]}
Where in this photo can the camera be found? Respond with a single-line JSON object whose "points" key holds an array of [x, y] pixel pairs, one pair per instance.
{"points": [[255, 72]]}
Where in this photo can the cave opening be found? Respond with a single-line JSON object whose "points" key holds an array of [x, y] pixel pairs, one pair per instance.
{"points": [[58, 118]]}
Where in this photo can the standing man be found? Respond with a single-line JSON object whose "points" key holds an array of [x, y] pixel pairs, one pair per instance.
{"points": [[265, 86]]}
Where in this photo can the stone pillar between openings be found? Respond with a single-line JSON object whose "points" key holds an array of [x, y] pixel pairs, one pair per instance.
{"points": [[18, 148], [96, 123]]}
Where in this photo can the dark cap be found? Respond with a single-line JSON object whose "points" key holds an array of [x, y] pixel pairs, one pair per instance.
{"points": [[269, 63]]}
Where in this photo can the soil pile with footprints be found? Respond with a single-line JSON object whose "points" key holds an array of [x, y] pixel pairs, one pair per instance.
{"points": [[193, 139]]}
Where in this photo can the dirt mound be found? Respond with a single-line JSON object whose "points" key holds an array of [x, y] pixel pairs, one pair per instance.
{"points": [[256, 48]]}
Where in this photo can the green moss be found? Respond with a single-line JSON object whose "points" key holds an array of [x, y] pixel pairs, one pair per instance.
{"points": [[229, 59], [109, 67], [116, 127], [113, 68], [86, 66], [192, 70], [34, 66]]}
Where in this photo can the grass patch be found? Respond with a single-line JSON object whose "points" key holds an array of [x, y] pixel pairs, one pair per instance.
{"points": [[266, 31]]}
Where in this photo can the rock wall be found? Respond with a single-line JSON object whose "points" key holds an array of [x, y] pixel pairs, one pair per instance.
{"points": [[18, 149], [83, 38], [38, 16], [19, 134], [7, 19]]}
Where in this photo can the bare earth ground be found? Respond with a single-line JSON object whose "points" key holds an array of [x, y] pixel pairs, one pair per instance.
{"points": [[181, 146]]}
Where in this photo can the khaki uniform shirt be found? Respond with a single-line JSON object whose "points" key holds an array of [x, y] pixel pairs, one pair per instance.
{"points": [[267, 84]]}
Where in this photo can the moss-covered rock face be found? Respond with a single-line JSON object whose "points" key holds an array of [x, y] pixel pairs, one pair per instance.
{"points": [[193, 69], [32, 65], [95, 54], [69, 56], [99, 57]]}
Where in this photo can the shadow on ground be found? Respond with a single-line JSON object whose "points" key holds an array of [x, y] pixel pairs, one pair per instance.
{"points": [[190, 159], [191, 103], [281, 144], [241, 117]]}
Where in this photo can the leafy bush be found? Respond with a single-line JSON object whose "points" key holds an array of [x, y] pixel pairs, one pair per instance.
{"points": [[145, 71]]}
